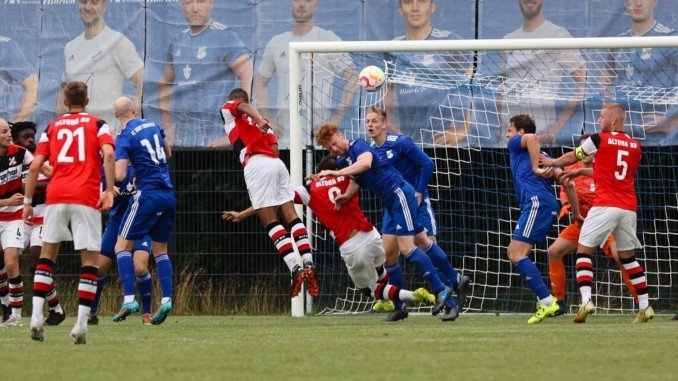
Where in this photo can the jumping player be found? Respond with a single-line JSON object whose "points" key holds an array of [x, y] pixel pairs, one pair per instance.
{"points": [[359, 242], [268, 185]]}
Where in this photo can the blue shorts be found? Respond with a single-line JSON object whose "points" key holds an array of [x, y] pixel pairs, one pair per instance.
{"points": [[400, 216], [427, 218], [536, 219], [149, 213], [111, 236]]}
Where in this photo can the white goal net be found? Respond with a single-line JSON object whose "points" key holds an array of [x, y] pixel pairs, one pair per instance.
{"points": [[454, 99]]}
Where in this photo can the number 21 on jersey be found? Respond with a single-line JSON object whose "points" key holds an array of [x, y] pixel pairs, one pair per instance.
{"points": [[69, 136]]}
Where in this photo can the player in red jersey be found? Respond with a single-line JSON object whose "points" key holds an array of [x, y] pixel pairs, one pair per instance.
{"points": [[614, 206], [23, 134], [579, 177], [73, 144], [268, 184], [13, 157], [359, 242]]}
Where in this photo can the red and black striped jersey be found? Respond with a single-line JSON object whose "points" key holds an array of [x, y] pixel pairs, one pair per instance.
{"points": [[11, 180]]}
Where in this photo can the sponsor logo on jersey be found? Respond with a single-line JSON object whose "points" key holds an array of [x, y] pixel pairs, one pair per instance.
{"points": [[187, 71]]}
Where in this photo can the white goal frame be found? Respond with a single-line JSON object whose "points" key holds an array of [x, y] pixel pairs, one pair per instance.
{"points": [[296, 49]]}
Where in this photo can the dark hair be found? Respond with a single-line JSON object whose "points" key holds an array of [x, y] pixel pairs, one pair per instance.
{"points": [[239, 94], [18, 127], [524, 122], [329, 162], [75, 93]]}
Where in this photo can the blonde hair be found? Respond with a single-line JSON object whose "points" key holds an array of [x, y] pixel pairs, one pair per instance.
{"points": [[617, 110]]}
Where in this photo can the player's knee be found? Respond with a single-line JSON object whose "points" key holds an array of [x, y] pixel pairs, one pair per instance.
{"points": [[140, 269]]}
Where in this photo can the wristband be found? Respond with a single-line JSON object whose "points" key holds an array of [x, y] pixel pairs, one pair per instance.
{"points": [[28, 201]]}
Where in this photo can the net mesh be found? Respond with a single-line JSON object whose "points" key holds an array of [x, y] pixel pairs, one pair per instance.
{"points": [[455, 106]]}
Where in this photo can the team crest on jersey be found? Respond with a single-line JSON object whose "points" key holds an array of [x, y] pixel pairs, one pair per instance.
{"points": [[389, 154], [646, 54], [187, 72], [349, 161], [202, 52], [592, 187], [12, 162]]}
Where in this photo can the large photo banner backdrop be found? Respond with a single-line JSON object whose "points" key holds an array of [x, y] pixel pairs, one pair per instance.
{"points": [[159, 53]]}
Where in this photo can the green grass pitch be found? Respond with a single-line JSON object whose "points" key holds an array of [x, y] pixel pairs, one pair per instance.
{"points": [[475, 347]]}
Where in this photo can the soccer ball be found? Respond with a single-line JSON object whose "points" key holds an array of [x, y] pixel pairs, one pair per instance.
{"points": [[371, 77]]}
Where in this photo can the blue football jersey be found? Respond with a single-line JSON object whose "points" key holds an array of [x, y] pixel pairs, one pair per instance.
{"points": [[526, 183], [141, 142], [642, 67], [120, 201], [412, 163], [645, 75], [203, 76], [14, 68], [422, 110], [381, 178]]}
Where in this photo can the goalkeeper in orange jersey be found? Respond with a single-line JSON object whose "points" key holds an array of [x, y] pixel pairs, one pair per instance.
{"points": [[579, 177]]}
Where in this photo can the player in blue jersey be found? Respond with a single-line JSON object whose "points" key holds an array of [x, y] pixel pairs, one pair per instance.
{"points": [[638, 73], [416, 168], [428, 115], [141, 144], [539, 209], [127, 270], [357, 158], [206, 58], [15, 72]]}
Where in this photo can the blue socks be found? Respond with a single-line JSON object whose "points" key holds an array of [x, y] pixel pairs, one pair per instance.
{"points": [[446, 272], [145, 286], [531, 274], [126, 270], [395, 278], [165, 274], [423, 264], [100, 288]]}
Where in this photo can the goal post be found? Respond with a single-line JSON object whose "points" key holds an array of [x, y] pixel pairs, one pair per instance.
{"points": [[477, 172]]}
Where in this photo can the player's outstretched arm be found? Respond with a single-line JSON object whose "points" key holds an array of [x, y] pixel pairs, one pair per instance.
{"points": [[362, 164], [237, 217], [573, 199], [249, 110]]}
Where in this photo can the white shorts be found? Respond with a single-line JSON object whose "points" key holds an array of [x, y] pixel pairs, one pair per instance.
{"points": [[33, 235], [85, 224], [361, 254], [268, 181], [12, 234], [604, 220]]}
